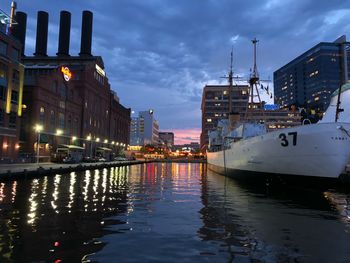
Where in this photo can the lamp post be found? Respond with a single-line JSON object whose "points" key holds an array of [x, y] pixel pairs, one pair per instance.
{"points": [[89, 139], [38, 128]]}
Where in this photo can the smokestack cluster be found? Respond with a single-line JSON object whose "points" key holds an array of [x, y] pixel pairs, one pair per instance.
{"points": [[64, 35], [42, 27], [86, 34], [19, 31]]}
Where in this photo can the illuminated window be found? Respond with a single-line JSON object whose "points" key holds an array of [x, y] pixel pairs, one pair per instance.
{"points": [[41, 114], [62, 105], [209, 120]]}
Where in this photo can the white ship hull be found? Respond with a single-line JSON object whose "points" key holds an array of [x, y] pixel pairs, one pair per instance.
{"points": [[317, 150]]}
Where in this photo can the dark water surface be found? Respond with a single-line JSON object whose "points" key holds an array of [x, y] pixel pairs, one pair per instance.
{"points": [[169, 213]]}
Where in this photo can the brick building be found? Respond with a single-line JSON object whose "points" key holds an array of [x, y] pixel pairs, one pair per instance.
{"points": [[70, 96], [11, 88]]}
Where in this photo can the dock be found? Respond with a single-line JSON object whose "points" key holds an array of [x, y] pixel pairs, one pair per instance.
{"points": [[24, 170]]}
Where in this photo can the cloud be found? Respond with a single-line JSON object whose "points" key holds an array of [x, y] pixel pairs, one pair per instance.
{"points": [[160, 53], [186, 136]]}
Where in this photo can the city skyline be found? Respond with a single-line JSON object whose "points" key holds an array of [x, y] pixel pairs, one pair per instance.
{"points": [[160, 54]]}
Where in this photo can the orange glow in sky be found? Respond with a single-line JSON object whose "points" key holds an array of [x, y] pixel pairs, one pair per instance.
{"points": [[183, 136]]}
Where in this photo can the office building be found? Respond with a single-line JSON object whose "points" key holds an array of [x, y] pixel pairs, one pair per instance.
{"points": [[215, 106], [310, 79], [167, 138], [144, 129]]}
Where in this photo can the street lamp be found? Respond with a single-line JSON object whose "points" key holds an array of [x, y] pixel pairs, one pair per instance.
{"points": [[59, 132], [106, 141], [97, 139], [38, 128], [74, 138], [89, 139]]}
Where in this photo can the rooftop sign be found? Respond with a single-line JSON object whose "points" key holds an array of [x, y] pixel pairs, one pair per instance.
{"points": [[100, 70]]}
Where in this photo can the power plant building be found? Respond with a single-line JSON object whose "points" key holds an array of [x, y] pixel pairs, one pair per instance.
{"points": [[11, 91], [69, 96]]}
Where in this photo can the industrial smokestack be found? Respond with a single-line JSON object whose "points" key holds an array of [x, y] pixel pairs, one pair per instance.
{"points": [[41, 34], [19, 30], [86, 34], [64, 35]]}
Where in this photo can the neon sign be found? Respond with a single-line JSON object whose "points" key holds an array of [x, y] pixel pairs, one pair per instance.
{"points": [[100, 70], [67, 74]]}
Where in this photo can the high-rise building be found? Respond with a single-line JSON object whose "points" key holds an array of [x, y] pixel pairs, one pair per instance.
{"points": [[167, 138], [310, 79], [11, 91], [215, 106], [144, 129]]}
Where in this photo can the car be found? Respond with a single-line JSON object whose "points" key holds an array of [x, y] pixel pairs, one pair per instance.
{"points": [[89, 159], [120, 158], [69, 159]]}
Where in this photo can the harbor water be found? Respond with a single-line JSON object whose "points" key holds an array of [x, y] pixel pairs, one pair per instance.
{"points": [[168, 212]]}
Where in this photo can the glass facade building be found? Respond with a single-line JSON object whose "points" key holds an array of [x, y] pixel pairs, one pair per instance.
{"points": [[310, 79]]}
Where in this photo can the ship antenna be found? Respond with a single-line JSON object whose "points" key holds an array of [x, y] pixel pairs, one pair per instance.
{"points": [[253, 82], [230, 81], [338, 109]]}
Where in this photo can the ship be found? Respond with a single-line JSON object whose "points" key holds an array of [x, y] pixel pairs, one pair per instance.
{"points": [[245, 148]]}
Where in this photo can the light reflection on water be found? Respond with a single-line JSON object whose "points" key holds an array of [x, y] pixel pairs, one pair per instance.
{"points": [[169, 213]]}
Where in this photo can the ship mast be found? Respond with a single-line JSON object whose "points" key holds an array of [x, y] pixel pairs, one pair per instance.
{"points": [[338, 109], [230, 81], [254, 80]]}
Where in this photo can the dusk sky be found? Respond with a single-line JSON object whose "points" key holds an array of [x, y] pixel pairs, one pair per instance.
{"points": [[159, 54]]}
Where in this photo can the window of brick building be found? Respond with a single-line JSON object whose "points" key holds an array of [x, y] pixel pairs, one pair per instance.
{"points": [[2, 92], [54, 86], [14, 97], [42, 115], [61, 122], [12, 119], [52, 120], [3, 48], [1, 117], [15, 54]]}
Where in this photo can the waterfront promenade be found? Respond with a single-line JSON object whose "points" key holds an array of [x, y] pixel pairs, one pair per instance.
{"points": [[22, 170], [12, 171]]}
